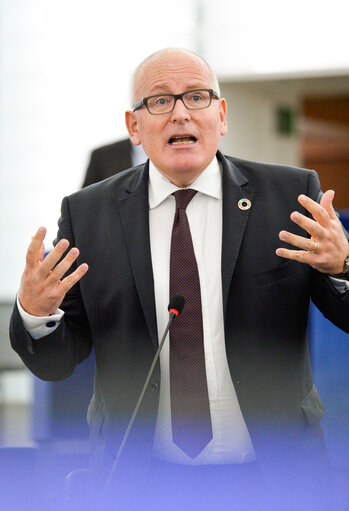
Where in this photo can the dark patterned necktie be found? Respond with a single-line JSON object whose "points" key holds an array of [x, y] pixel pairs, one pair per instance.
{"points": [[190, 410]]}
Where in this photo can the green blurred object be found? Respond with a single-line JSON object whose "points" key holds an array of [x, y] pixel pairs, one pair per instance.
{"points": [[285, 117]]}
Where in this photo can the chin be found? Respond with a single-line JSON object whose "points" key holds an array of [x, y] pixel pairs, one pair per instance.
{"points": [[186, 163]]}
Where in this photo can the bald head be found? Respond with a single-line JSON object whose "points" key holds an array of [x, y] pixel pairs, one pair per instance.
{"points": [[167, 53], [180, 143]]}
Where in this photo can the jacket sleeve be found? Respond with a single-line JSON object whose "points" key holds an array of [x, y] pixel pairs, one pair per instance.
{"points": [[333, 303], [55, 356]]}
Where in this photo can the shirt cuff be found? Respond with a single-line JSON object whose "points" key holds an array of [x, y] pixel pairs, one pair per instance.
{"points": [[38, 327], [341, 285]]}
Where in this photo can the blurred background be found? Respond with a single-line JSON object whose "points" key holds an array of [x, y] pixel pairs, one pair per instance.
{"points": [[65, 70]]}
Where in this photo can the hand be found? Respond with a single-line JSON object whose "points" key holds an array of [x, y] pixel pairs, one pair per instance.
{"points": [[42, 288], [328, 246]]}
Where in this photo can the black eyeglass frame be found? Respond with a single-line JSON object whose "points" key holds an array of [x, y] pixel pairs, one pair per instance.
{"points": [[144, 101]]}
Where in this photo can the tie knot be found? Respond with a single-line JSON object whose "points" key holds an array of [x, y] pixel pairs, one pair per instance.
{"points": [[183, 197]]}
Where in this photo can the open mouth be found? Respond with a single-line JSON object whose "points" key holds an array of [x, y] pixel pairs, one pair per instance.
{"points": [[182, 140]]}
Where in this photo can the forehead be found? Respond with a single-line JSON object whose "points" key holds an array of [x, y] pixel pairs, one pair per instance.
{"points": [[172, 72]]}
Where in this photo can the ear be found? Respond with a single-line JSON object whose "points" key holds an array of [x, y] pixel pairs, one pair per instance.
{"points": [[223, 116], [132, 127]]}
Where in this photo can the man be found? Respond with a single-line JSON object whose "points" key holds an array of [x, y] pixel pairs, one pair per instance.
{"points": [[107, 160], [254, 294]]}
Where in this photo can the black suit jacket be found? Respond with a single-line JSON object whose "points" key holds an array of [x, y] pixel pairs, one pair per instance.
{"points": [[108, 160], [265, 299]]}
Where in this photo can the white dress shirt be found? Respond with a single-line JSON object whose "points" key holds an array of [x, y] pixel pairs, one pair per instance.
{"points": [[231, 442]]}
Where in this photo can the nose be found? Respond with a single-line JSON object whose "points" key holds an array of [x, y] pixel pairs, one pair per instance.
{"points": [[180, 113]]}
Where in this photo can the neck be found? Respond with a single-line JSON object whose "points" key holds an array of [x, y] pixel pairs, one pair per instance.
{"points": [[182, 181]]}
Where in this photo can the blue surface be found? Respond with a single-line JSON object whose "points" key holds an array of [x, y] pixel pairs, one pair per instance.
{"points": [[330, 361]]}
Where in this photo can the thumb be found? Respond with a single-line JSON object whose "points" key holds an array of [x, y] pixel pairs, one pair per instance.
{"points": [[41, 253]]}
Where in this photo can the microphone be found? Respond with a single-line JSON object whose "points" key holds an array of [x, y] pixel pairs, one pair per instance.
{"points": [[174, 308], [176, 305]]}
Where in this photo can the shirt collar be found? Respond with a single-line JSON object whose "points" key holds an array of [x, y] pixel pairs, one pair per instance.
{"points": [[209, 182]]}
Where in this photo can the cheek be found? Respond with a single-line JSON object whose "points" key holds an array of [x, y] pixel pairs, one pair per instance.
{"points": [[213, 133], [212, 125], [151, 132]]}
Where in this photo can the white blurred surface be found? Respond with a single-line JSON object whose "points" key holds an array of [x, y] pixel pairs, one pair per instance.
{"points": [[16, 387], [65, 69], [254, 38]]}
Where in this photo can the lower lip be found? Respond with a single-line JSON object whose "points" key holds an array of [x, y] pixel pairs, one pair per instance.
{"points": [[182, 144]]}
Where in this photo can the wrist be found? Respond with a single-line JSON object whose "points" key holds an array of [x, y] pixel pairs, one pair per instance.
{"points": [[344, 274]]}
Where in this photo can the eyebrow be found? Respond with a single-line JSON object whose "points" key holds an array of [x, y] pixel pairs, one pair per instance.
{"points": [[165, 89]]}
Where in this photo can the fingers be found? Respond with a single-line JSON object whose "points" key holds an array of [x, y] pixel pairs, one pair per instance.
{"points": [[34, 252], [43, 285], [53, 257], [306, 244], [309, 248], [327, 246], [312, 227], [327, 203], [318, 212], [35, 255], [56, 274], [323, 214], [65, 264], [301, 256], [72, 279]]}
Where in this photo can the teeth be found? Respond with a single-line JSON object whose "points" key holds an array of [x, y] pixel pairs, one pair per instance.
{"points": [[182, 141]]}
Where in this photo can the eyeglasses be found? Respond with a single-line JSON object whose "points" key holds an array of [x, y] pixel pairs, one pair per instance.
{"points": [[159, 104]]}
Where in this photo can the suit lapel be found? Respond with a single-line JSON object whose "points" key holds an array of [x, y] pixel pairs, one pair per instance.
{"points": [[235, 187], [134, 212]]}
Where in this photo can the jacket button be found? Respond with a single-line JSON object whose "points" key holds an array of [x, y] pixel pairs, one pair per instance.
{"points": [[154, 386]]}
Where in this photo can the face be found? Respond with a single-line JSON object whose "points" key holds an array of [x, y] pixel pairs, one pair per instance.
{"points": [[183, 142]]}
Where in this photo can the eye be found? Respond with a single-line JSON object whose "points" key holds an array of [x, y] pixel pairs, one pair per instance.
{"points": [[162, 100], [194, 97]]}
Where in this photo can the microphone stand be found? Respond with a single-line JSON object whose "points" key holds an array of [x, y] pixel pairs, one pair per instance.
{"points": [[130, 424]]}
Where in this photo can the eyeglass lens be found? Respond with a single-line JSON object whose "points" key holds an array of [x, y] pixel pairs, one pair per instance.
{"points": [[192, 100]]}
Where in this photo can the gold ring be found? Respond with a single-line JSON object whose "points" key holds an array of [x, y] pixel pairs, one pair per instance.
{"points": [[314, 248]]}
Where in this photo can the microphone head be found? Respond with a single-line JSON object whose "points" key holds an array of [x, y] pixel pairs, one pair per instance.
{"points": [[176, 304]]}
